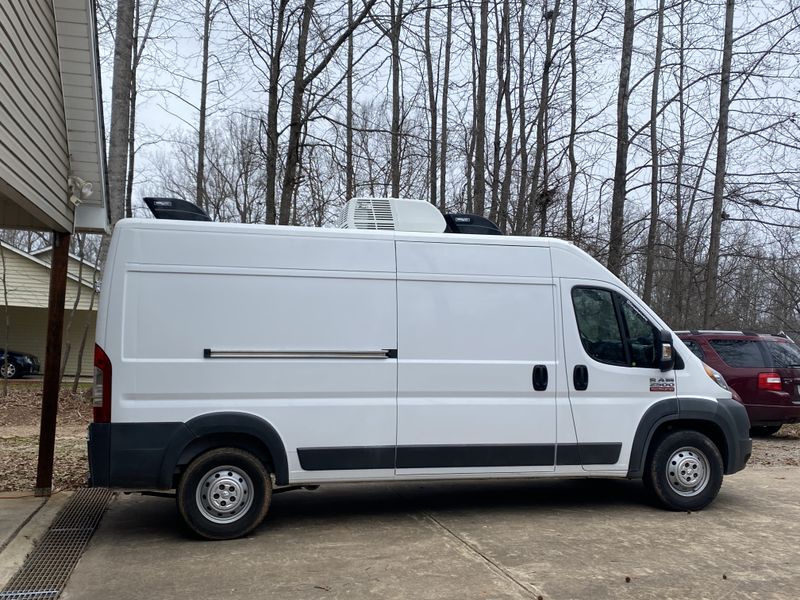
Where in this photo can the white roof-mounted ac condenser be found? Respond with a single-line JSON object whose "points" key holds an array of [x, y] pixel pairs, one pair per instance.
{"points": [[391, 214]]}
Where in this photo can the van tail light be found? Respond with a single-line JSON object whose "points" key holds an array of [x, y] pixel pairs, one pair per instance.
{"points": [[770, 381], [101, 391]]}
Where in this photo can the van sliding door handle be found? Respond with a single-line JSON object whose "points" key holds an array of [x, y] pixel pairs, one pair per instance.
{"points": [[580, 377], [540, 378]]}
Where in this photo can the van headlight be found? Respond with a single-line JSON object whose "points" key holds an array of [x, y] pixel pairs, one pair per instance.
{"points": [[717, 377]]}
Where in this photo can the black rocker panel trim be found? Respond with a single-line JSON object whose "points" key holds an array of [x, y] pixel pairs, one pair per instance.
{"points": [[432, 457], [606, 453], [502, 455], [339, 459]]}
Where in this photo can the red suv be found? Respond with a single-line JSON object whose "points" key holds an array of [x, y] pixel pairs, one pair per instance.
{"points": [[763, 369]]}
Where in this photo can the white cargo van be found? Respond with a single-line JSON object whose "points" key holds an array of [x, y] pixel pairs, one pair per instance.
{"points": [[235, 359]]}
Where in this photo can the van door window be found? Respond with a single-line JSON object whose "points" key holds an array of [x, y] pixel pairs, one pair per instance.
{"points": [[641, 337], [598, 325]]}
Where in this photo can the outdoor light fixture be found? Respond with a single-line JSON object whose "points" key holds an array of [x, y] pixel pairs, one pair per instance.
{"points": [[79, 189]]}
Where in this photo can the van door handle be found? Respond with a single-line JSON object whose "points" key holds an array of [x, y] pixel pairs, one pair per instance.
{"points": [[540, 378], [580, 377]]}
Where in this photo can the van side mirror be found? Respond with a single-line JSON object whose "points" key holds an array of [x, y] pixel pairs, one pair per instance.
{"points": [[664, 350]]}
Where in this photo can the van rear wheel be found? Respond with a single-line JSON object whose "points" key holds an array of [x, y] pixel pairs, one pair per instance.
{"points": [[684, 472], [224, 494]]}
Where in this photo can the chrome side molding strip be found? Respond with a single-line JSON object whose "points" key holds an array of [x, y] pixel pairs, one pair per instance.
{"points": [[301, 354]]}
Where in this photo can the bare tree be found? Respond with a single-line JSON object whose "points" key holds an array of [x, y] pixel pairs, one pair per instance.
{"points": [[647, 294], [301, 83], [479, 190], [573, 120], [719, 171], [445, 98], [209, 12], [616, 243], [121, 87]]}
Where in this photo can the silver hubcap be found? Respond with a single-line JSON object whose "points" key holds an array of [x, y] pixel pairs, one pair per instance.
{"points": [[688, 471], [225, 494]]}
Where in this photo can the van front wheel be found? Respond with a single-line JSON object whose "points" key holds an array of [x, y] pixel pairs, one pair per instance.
{"points": [[684, 471], [224, 494]]}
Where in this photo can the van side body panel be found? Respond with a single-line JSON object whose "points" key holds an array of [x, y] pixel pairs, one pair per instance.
{"points": [[177, 294], [473, 322], [356, 356]]}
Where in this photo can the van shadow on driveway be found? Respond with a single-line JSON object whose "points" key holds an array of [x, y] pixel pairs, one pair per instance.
{"points": [[493, 539]]}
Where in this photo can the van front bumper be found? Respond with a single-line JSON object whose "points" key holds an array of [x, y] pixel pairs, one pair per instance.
{"points": [[132, 455]]}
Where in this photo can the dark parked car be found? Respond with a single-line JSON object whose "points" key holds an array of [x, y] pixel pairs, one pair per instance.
{"points": [[763, 369], [19, 364]]}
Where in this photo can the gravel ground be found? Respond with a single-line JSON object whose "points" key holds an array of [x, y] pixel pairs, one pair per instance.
{"points": [[19, 433]]}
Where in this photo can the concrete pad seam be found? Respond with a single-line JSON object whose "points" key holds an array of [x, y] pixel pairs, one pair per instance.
{"points": [[24, 522], [530, 590]]}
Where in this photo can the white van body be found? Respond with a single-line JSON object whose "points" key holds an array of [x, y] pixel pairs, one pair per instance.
{"points": [[350, 355]]}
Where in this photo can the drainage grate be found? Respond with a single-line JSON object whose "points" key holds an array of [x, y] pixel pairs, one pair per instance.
{"points": [[47, 568]]}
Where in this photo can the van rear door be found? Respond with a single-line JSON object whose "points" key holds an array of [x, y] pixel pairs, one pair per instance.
{"points": [[476, 359], [611, 369]]}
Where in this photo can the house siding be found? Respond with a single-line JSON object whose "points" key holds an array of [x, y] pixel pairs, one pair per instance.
{"points": [[26, 283], [28, 329], [34, 155]]}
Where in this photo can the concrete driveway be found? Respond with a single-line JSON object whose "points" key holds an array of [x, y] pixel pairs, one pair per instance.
{"points": [[554, 539]]}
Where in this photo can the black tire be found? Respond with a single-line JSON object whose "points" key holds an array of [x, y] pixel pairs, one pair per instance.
{"points": [[224, 473], [9, 371], [764, 430], [696, 477]]}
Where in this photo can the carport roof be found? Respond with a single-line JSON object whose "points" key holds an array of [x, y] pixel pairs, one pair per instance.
{"points": [[52, 139]]}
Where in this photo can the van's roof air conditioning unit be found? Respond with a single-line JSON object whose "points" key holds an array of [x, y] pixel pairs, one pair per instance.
{"points": [[391, 214], [475, 224], [175, 209]]}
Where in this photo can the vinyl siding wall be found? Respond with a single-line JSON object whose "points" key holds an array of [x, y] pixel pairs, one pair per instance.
{"points": [[34, 156], [27, 287], [28, 329], [27, 284]]}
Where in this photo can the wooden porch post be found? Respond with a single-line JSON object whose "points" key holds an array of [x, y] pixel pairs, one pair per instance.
{"points": [[52, 367]]}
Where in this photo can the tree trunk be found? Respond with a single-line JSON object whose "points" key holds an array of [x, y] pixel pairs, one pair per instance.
{"points": [[200, 195], [676, 287], [85, 335], [650, 252], [432, 92], [523, 126], [296, 120], [535, 197], [479, 190], [273, 99], [719, 172], [121, 85], [616, 245], [573, 120], [498, 114], [301, 81], [446, 84], [131, 151], [74, 310], [349, 188], [396, 28], [505, 196]]}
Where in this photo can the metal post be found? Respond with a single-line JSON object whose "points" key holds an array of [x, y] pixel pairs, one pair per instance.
{"points": [[52, 366]]}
